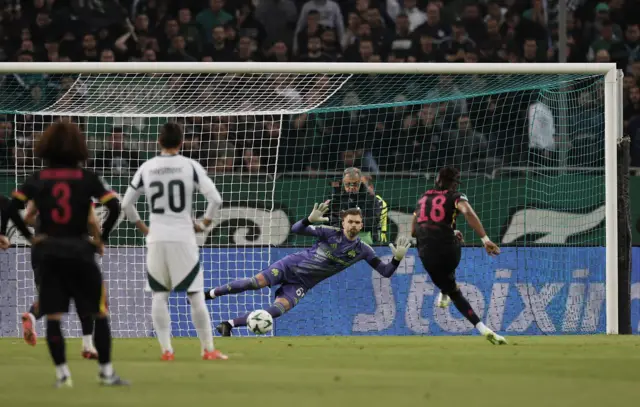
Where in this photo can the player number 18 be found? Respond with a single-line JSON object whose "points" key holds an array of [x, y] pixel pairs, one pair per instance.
{"points": [[437, 212]]}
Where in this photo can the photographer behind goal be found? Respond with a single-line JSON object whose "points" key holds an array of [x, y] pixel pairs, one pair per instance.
{"points": [[352, 192]]}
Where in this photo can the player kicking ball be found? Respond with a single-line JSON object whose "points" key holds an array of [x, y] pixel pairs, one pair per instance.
{"points": [[334, 251], [439, 244], [173, 256]]}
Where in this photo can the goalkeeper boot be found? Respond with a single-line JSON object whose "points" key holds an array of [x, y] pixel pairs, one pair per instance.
{"points": [[495, 339], [214, 355], [224, 328], [113, 380], [443, 300], [63, 382], [29, 329]]}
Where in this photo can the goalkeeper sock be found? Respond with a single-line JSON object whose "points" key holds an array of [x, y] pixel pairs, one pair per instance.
{"points": [[161, 319], [87, 332], [276, 310], [235, 287], [201, 320], [240, 321], [464, 307], [103, 340], [55, 341], [35, 310]]}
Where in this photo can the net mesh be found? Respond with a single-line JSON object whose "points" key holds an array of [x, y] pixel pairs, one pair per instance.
{"points": [[531, 148]]}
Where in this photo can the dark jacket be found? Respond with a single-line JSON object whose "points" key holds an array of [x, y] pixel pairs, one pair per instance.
{"points": [[368, 204]]}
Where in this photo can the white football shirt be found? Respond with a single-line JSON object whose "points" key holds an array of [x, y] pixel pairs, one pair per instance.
{"points": [[169, 183]]}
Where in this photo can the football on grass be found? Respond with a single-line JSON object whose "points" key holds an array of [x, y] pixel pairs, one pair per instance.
{"points": [[260, 322]]}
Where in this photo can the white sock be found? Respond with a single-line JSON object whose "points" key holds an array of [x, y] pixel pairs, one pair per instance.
{"points": [[62, 371], [201, 320], [87, 343], [212, 293], [482, 328], [162, 320], [231, 323], [106, 369]]}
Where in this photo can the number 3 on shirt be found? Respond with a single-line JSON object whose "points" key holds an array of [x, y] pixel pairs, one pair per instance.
{"points": [[436, 205], [62, 214]]}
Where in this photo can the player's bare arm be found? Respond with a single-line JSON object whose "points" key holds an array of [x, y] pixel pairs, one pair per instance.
{"points": [[31, 214], [214, 200], [474, 221], [93, 225]]}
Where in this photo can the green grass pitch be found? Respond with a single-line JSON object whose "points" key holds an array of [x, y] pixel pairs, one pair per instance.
{"points": [[562, 371]]}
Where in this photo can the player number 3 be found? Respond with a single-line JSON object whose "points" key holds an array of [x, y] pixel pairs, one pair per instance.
{"points": [[62, 192]]}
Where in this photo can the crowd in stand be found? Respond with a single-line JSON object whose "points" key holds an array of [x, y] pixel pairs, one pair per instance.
{"points": [[480, 132]]}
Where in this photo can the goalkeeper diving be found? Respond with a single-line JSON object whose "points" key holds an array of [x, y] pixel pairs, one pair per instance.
{"points": [[335, 250]]}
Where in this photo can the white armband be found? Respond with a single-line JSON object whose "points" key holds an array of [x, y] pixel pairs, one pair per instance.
{"points": [[485, 239]]}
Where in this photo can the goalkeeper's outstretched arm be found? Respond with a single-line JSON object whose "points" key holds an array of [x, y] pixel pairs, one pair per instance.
{"points": [[305, 226], [387, 269]]}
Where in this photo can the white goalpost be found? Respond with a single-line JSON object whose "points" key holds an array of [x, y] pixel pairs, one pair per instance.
{"points": [[276, 137]]}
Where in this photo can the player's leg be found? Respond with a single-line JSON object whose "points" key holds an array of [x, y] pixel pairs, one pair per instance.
{"points": [[187, 275], [159, 282], [29, 318], [88, 349], [287, 297], [441, 265], [54, 302], [90, 296], [256, 282]]}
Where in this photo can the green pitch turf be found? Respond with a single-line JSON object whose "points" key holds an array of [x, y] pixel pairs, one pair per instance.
{"points": [[342, 371]]}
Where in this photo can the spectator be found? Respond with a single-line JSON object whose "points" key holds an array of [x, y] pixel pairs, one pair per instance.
{"points": [[278, 17], [416, 16], [604, 41], [89, 52], [190, 31], [351, 32], [351, 192], [401, 42], [454, 47], [433, 27], [212, 17], [247, 24], [315, 54], [219, 49], [116, 157], [329, 13]]}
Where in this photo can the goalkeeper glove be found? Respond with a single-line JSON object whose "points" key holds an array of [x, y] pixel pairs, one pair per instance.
{"points": [[403, 246], [318, 212]]}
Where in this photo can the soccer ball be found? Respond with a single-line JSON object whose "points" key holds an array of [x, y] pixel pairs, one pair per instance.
{"points": [[260, 322]]}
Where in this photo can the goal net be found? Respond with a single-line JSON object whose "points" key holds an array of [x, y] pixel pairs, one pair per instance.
{"points": [[531, 148]]}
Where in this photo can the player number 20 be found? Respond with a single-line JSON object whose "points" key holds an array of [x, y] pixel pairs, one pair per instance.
{"points": [[436, 214], [175, 192]]}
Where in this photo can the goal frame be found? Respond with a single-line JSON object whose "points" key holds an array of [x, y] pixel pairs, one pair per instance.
{"points": [[612, 106]]}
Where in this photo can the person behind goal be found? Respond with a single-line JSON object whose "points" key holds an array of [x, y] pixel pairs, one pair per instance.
{"points": [[30, 317], [173, 257], [439, 243], [63, 193]]}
